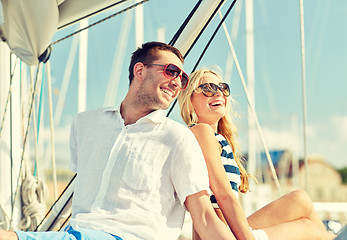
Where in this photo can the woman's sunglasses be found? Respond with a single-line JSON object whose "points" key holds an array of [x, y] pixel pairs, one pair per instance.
{"points": [[171, 71], [210, 89]]}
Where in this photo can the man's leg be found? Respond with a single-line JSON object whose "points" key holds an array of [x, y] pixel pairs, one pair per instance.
{"points": [[45, 235], [11, 235], [69, 234]]}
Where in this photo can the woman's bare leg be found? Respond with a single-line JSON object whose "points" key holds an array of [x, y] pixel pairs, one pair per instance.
{"points": [[195, 235], [302, 229], [292, 206]]}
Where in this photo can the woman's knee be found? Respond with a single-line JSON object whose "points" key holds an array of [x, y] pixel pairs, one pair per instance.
{"points": [[305, 222], [299, 196], [302, 200]]}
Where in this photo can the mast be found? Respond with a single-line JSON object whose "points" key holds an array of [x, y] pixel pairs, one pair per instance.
{"points": [[118, 61], [251, 162], [139, 36], [161, 34]]}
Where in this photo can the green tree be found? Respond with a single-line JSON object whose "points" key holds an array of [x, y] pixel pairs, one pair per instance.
{"points": [[343, 173]]}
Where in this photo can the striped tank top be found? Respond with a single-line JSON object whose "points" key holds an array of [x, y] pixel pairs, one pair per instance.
{"points": [[230, 166]]}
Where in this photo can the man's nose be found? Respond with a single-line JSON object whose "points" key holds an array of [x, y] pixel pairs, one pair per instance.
{"points": [[177, 81]]}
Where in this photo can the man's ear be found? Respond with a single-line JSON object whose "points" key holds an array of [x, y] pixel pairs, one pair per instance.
{"points": [[138, 70]]}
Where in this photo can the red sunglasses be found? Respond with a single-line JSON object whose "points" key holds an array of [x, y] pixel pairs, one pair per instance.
{"points": [[171, 71]]}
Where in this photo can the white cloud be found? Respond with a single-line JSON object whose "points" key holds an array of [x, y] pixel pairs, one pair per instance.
{"points": [[281, 139], [340, 126]]}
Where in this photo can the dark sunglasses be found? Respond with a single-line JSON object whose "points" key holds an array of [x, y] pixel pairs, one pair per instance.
{"points": [[210, 89], [171, 71]]}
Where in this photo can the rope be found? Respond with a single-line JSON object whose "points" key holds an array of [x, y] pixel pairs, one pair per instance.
{"points": [[11, 144], [5, 222], [203, 29], [54, 170], [25, 137], [207, 45], [100, 21], [303, 75], [214, 34], [35, 132], [273, 171], [180, 30], [33, 198], [8, 97], [33, 190]]}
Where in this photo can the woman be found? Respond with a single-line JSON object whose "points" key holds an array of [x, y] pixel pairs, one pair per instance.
{"points": [[204, 108]]}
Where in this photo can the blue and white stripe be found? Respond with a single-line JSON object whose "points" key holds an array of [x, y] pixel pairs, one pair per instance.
{"points": [[230, 166]]}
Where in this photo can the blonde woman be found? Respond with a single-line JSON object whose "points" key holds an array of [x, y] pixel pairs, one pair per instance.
{"points": [[205, 107]]}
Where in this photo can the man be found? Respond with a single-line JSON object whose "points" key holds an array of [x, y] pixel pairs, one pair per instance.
{"points": [[137, 169]]}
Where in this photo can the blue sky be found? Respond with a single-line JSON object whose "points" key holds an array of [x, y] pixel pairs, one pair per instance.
{"points": [[278, 89]]}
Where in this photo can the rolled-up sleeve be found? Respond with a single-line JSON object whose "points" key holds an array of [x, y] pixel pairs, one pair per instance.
{"points": [[188, 169]]}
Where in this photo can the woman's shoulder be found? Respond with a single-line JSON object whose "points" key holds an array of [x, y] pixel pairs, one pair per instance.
{"points": [[202, 127], [203, 130]]}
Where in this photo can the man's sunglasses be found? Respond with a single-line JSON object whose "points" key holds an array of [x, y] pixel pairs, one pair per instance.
{"points": [[171, 71], [210, 89]]}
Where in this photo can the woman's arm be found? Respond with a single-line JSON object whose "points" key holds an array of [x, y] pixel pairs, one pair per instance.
{"points": [[219, 183], [205, 220]]}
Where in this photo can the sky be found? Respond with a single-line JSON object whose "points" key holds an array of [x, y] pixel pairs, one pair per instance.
{"points": [[277, 62]]}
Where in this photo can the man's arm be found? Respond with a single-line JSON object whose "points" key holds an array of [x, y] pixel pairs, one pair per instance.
{"points": [[205, 220]]}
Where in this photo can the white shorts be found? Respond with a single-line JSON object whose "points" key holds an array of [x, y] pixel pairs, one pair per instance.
{"points": [[260, 234]]}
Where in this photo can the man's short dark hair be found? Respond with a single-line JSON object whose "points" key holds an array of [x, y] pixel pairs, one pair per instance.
{"points": [[147, 53]]}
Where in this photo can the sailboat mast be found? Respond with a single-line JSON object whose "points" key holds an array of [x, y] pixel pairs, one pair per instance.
{"points": [[139, 36], [251, 162]]}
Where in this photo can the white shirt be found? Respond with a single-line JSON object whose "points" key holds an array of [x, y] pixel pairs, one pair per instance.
{"points": [[132, 181]]}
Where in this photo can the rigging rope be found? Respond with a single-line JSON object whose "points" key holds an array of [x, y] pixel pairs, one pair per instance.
{"points": [[213, 35], [33, 194], [51, 122], [207, 45], [100, 21], [254, 114], [11, 144], [35, 132], [8, 97], [33, 191], [6, 220], [222, 23], [303, 75], [186, 21], [50, 104]]}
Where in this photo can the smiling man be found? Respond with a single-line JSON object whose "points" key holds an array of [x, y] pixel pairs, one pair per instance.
{"points": [[137, 170]]}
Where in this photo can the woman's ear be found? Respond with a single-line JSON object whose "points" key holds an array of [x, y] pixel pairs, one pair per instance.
{"points": [[138, 70]]}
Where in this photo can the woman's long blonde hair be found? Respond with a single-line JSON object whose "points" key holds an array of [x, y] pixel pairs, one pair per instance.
{"points": [[226, 127]]}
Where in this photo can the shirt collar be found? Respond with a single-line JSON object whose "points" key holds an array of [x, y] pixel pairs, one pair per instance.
{"points": [[156, 116]]}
